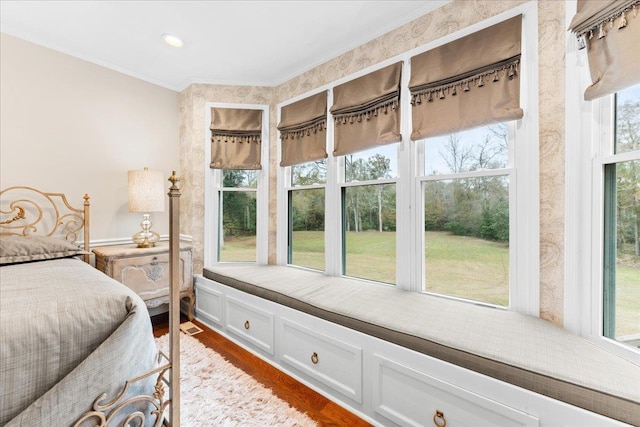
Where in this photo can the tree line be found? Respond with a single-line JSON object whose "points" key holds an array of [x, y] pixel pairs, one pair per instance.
{"points": [[472, 207], [628, 179]]}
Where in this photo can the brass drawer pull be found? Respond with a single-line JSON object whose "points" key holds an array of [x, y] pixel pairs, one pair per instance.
{"points": [[246, 325], [438, 419], [314, 358]]}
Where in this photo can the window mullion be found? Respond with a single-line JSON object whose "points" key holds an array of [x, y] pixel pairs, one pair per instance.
{"points": [[406, 234], [333, 222]]}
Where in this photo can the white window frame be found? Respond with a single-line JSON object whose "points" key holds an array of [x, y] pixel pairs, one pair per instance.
{"points": [[213, 185], [525, 255], [510, 172], [589, 134], [284, 185], [522, 170]]}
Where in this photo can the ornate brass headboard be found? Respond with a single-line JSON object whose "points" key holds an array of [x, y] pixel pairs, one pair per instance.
{"points": [[25, 211]]}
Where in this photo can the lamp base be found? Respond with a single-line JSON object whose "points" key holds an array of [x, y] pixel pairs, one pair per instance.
{"points": [[146, 238]]}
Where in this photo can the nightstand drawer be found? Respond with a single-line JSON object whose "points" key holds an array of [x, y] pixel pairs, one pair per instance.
{"points": [[146, 271], [148, 276]]}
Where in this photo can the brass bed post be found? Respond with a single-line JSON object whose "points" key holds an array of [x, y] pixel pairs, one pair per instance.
{"points": [[174, 302], [86, 217]]}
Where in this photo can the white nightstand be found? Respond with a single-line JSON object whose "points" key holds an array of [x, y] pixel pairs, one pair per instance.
{"points": [[146, 271]]}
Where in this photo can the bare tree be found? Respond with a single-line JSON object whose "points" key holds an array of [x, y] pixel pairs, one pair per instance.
{"points": [[457, 157]]}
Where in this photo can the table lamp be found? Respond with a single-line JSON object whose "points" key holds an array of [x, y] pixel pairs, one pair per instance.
{"points": [[146, 194]]}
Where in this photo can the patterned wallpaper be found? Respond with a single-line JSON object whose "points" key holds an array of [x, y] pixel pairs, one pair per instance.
{"points": [[192, 152], [445, 20]]}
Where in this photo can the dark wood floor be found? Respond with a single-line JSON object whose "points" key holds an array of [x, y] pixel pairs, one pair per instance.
{"points": [[301, 397]]}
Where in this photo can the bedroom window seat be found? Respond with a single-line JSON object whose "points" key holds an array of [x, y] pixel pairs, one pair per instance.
{"points": [[516, 349]]}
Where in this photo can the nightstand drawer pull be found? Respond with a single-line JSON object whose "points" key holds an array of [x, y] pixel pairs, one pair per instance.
{"points": [[314, 358], [246, 325], [438, 419]]}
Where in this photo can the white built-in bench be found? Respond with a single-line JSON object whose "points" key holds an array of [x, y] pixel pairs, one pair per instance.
{"points": [[520, 350]]}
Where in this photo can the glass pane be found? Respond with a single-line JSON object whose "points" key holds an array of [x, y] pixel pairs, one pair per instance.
{"points": [[622, 252], [474, 149], [240, 178], [309, 173], [628, 120], [369, 227], [375, 163], [306, 225], [238, 235], [467, 238]]}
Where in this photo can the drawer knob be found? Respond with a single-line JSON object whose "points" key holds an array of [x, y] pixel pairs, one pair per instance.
{"points": [[314, 358], [247, 325], [438, 419]]}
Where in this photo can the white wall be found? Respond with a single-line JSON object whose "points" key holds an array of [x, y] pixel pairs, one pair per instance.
{"points": [[67, 125]]}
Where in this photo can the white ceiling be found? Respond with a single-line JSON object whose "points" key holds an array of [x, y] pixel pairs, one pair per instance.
{"points": [[257, 43]]}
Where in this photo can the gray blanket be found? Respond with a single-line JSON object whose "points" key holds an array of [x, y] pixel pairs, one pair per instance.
{"points": [[67, 334]]}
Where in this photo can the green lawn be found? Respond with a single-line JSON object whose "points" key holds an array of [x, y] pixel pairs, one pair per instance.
{"points": [[308, 249], [239, 249], [460, 266], [627, 301], [372, 255], [467, 267]]}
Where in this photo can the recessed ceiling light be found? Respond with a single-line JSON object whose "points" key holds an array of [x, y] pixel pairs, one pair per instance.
{"points": [[172, 40]]}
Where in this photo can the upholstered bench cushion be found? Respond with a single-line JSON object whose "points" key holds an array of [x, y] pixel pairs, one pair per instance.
{"points": [[512, 347]]}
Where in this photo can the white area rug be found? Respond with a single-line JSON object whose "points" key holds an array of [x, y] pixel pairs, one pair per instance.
{"points": [[214, 393]]}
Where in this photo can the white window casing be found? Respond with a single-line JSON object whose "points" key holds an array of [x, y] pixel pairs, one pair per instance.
{"points": [[213, 185], [589, 136]]}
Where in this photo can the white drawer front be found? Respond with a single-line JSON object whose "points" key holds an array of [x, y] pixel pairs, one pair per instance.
{"points": [[209, 303], [326, 359], [411, 398], [250, 323]]}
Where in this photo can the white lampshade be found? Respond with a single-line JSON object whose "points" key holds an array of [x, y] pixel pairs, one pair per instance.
{"points": [[146, 191]]}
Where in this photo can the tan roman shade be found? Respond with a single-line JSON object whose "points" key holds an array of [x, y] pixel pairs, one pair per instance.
{"points": [[236, 136], [610, 30], [469, 82], [366, 111], [303, 130]]}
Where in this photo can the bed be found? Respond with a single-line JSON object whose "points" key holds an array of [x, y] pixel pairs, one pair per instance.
{"points": [[76, 347]]}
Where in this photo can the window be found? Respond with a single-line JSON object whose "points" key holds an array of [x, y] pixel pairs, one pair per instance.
{"points": [[603, 178], [237, 233], [603, 183], [621, 223], [306, 197], [236, 202], [369, 214], [454, 215], [466, 214]]}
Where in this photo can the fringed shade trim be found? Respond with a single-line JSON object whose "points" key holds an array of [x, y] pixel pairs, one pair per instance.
{"points": [[306, 129], [372, 109], [600, 26], [235, 137], [507, 69]]}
